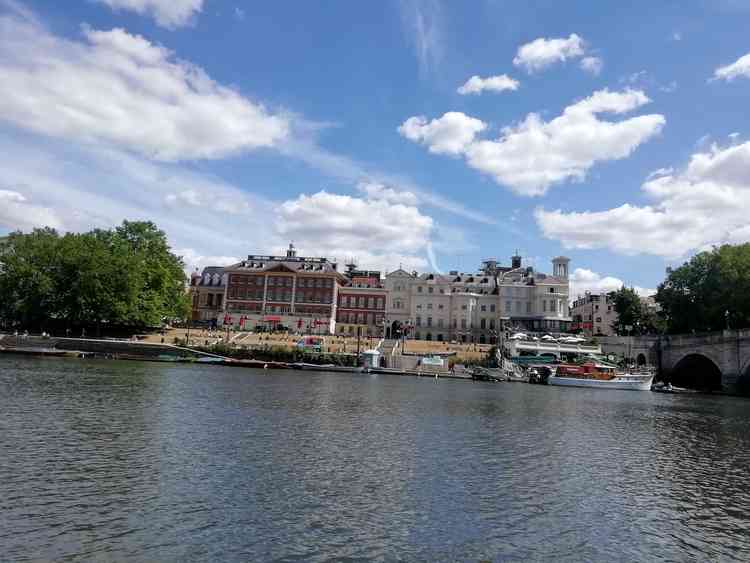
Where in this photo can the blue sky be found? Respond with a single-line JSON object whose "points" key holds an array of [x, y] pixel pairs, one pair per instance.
{"points": [[238, 127]]}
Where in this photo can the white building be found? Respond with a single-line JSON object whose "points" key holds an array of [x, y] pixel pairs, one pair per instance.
{"points": [[473, 307]]}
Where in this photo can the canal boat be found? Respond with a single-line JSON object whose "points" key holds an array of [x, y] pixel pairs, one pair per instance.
{"points": [[600, 376]]}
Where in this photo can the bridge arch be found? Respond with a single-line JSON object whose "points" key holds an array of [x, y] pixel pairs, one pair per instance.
{"points": [[743, 379], [697, 371]]}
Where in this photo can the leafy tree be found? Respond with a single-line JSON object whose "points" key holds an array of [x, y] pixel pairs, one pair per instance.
{"points": [[709, 292], [125, 276], [627, 305]]}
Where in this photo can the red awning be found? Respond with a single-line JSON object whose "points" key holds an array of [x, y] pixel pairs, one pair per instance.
{"points": [[271, 319]]}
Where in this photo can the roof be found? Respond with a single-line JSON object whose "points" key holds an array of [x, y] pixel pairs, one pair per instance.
{"points": [[301, 265]]}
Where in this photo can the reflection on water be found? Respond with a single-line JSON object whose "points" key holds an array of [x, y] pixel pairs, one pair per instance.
{"points": [[153, 462]]}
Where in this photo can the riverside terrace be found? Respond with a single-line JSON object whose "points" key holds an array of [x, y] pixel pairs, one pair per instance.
{"points": [[331, 344]]}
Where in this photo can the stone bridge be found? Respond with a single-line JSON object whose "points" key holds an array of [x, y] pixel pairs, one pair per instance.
{"points": [[717, 360]]}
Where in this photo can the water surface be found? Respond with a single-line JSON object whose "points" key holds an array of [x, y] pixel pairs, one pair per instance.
{"points": [[113, 461]]}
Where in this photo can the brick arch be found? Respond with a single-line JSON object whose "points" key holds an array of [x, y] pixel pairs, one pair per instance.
{"points": [[697, 370]]}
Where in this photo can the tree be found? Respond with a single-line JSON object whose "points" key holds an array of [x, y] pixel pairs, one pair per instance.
{"points": [[627, 305], [710, 292], [125, 276]]}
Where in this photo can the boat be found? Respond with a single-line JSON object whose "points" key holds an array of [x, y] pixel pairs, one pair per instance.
{"points": [[484, 374], [663, 387], [600, 376]]}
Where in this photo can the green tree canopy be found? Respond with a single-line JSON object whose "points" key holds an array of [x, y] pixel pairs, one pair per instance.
{"points": [[123, 276], [632, 311], [709, 292]]}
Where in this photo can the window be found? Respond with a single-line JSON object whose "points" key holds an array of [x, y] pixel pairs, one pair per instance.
{"points": [[440, 323], [361, 302], [544, 305], [463, 307], [418, 321], [463, 323], [419, 305], [551, 289], [528, 306], [482, 323], [484, 308], [492, 324], [598, 319], [454, 323], [430, 289], [492, 308], [429, 321], [518, 306], [419, 289], [440, 306], [371, 303], [429, 305], [507, 306]]}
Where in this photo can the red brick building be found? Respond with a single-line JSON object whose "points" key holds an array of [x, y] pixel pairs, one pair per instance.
{"points": [[298, 293], [361, 304]]}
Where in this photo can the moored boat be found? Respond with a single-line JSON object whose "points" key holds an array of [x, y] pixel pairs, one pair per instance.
{"points": [[600, 376]]}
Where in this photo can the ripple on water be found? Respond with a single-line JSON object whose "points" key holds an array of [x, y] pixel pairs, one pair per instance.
{"points": [[150, 462]]}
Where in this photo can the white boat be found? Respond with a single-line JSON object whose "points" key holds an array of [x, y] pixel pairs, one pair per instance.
{"points": [[600, 376]]}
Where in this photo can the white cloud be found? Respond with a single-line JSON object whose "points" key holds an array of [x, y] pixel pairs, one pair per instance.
{"points": [[167, 13], [239, 13], [583, 280], [122, 90], [542, 53], [376, 232], [499, 83], [739, 68], [592, 65], [639, 76], [703, 205], [18, 213], [196, 261], [450, 134], [669, 88], [378, 191], [533, 155], [676, 36], [422, 25]]}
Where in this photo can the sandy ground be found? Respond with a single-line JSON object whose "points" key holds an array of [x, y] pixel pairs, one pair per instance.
{"points": [[337, 344]]}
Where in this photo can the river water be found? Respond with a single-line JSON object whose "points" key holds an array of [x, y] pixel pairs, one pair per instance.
{"points": [[116, 461]]}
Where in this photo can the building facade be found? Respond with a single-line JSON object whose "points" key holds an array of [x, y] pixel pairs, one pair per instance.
{"points": [[311, 295], [361, 304], [270, 292], [594, 314], [207, 294], [475, 307]]}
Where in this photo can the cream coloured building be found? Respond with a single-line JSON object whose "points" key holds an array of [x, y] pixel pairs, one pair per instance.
{"points": [[473, 307]]}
